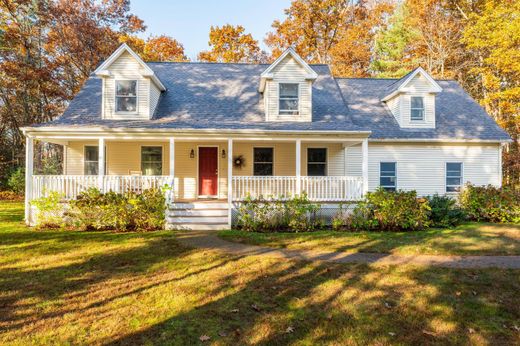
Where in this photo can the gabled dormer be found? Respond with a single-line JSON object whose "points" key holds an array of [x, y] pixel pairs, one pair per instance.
{"points": [[286, 86], [411, 99], [131, 90]]}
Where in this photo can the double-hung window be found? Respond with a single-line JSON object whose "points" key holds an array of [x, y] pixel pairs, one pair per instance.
{"points": [[388, 175], [417, 108], [263, 161], [126, 96], [289, 99], [91, 160], [151, 160], [453, 176], [317, 162]]}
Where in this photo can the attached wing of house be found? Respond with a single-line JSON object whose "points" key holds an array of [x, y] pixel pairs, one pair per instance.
{"points": [[219, 132]]}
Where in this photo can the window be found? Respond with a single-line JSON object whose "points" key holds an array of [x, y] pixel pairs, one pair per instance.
{"points": [[288, 99], [317, 162], [453, 176], [263, 161], [387, 175], [126, 96], [151, 160], [91, 160], [417, 109]]}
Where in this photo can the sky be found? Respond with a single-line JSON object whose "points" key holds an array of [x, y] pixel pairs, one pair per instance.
{"points": [[189, 21]]}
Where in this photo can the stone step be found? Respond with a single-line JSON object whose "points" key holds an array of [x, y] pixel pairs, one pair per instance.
{"points": [[197, 212], [197, 219], [198, 205]]}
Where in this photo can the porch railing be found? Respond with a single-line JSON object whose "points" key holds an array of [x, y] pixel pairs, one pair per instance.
{"points": [[319, 189], [70, 186]]}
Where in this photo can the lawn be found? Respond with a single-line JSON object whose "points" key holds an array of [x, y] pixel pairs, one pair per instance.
{"points": [[467, 239], [61, 287]]}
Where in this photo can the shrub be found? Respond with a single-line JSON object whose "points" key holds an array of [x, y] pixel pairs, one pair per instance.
{"points": [[389, 211], [10, 196], [16, 181], [491, 204], [50, 211], [444, 211], [302, 214], [93, 210]]}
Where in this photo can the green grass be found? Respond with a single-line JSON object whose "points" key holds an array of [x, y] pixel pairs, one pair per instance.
{"points": [[67, 288], [467, 239]]}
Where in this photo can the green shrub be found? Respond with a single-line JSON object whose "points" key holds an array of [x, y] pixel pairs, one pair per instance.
{"points": [[491, 204], [50, 211], [93, 210], [389, 211], [444, 211], [295, 214], [16, 181]]}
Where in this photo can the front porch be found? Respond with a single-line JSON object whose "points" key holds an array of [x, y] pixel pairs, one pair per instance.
{"points": [[202, 169]]}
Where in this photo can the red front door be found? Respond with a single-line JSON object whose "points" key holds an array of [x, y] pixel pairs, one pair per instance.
{"points": [[208, 171]]}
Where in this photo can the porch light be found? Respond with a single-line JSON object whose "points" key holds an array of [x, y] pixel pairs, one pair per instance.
{"points": [[192, 154], [223, 153]]}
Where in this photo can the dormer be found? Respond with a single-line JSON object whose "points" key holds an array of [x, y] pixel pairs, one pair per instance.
{"points": [[131, 90], [286, 86], [411, 99]]}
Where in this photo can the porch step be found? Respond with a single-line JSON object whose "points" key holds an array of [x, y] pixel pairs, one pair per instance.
{"points": [[200, 215]]}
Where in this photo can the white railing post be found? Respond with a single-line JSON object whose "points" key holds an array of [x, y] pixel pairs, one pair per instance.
{"points": [[101, 163], [364, 165], [298, 166], [230, 180], [29, 157], [172, 169]]}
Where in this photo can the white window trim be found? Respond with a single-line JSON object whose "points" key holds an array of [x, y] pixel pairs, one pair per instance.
{"points": [[85, 161], [136, 96], [446, 177], [280, 98], [326, 158], [253, 160], [396, 174], [141, 158], [423, 109]]}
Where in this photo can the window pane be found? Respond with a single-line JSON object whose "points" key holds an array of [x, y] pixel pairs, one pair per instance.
{"points": [[263, 154], [387, 168], [417, 114], [91, 168], [387, 175], [151, 160], [389, 188], [288, 90], [126, 104], [316, 169], [126, 88], [452, 188], [454, 169], [152, 168], [91, 153], [317, 155], [387, 181], [289, 105], [417, 102], [263, 169], [453, 181]]}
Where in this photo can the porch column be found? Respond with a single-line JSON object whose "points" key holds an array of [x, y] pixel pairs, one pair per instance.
{"points": [[172, 168], [364, 165], [29, 159], [230, 180], [101, 163], [298, 166]]}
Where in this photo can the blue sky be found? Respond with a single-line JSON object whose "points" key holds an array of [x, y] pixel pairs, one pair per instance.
{"points": [[189, 20]]}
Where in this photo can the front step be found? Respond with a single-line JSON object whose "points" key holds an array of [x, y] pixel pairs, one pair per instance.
{"points": [[197, 216]]}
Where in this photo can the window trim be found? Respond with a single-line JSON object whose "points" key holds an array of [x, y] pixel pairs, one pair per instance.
{"points": [[85, 161], [253, 160], [326, 160], [136, 96], [396, 174], [423, 118], [280, 98], [446, 177], [141, 158]]}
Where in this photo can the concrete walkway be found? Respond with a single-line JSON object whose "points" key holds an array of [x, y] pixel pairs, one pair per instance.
{"points": [[210, 240]]}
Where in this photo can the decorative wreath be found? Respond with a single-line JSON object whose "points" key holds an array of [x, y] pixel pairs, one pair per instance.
{"points": [[239, 161]]}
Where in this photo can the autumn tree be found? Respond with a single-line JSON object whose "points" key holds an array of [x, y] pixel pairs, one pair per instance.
{"points": [[155, 48], [231, 44]]}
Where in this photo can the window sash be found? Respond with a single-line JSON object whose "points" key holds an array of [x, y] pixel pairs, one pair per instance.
{"points": [[151, 160], [126, 96], [91, 160], [453, 176], [417, 108], [263, 166], [316, 165], [289, 100], [388, 175]]}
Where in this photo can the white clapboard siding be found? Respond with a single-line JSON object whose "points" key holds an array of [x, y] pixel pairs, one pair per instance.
{"points": [[155, 94], [421, 167], [288, 71]]}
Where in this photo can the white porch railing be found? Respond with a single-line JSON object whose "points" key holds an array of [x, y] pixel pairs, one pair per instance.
{"points": [[69, 186], [319, 189]]}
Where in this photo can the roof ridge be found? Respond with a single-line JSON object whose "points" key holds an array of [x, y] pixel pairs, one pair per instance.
{"points": [[219, 63]]}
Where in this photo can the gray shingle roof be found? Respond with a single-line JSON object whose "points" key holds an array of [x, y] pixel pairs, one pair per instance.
{"points": [[225, 96]]}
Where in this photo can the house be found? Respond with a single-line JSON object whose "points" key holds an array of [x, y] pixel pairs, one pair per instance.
{"points": [[218, 132]]}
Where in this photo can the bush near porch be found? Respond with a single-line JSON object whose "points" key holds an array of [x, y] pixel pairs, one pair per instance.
{"points": [[491, 204]]}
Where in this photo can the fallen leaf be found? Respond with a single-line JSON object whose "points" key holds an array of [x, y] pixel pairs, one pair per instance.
{"points": [[388, 305], [289, 329], [204, 338], [427, 332], [222, 333], [515, 327], [255, 307], [458, 293], [234, 311], [474, 293], [391, 333], [471, 330]]}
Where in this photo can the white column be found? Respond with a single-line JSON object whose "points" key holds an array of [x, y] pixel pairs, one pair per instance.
{"points": [[500, 173], [172, 168], [364, 165], [230, 180], [29, 159], [298, 166], [101, 163]]}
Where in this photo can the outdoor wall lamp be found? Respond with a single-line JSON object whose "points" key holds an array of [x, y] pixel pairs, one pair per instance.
{"points": [[223, 153], [192, 154]]}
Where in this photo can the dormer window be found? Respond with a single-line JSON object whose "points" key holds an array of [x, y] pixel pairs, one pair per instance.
{"points": [[289, 99], [126, 96], [417, 108]]}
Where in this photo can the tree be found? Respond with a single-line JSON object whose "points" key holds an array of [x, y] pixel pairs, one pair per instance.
{"points": [[164, 48], [230, 44]]}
